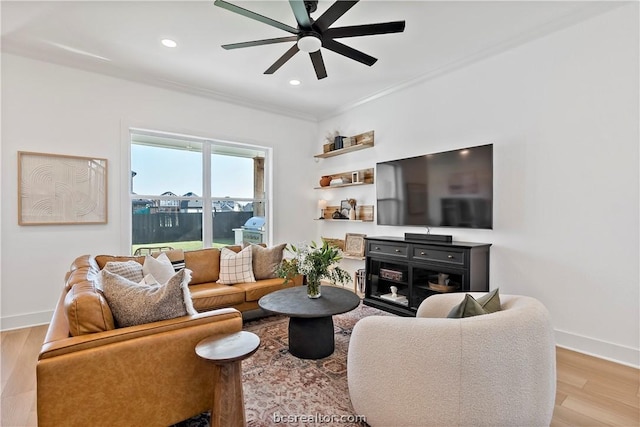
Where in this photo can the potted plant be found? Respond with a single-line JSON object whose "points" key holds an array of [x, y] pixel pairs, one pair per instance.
{"points": [[315, 263]]}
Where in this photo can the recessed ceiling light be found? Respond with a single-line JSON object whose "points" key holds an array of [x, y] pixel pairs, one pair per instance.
{"points": [[169, 43], [294, 82]]}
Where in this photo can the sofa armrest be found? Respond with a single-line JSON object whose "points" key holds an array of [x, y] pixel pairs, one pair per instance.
{"points": [[56, 347], [93, 379]]}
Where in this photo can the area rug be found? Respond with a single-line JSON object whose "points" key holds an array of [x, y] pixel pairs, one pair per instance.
{"points": [[280, 389]]}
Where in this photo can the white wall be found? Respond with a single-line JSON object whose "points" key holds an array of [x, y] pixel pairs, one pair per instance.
{"points": [[53, 109], [562, 113]]}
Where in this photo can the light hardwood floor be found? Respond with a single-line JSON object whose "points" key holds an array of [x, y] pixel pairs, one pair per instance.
{"points": [[590, 391]]}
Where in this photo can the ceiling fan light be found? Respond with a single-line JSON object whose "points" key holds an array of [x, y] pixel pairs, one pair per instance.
{"points": [[309, 44]]}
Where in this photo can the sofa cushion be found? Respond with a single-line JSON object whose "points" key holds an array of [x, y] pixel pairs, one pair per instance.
{"points": [[87, 310], [102, 260], [159, 267], [236, 267], [204, 264], [134, 304], [131, 270], [209, 296], [256, 290], [266, 260]]}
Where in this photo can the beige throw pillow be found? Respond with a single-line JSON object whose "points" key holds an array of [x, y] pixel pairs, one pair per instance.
{"points": [[236, 267], [135, 304], [266, 260]]}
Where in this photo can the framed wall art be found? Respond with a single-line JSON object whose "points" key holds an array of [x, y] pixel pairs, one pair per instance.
{"points": [[59, 189], [354, 244]]}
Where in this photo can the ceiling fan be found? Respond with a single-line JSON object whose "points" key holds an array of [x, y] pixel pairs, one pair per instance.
{"points": [[310, 35]]}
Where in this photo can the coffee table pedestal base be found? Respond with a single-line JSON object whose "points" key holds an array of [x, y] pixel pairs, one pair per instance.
{"points": [[311, 338]]}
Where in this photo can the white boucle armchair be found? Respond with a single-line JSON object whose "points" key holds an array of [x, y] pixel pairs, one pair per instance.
{"points": [[497, 369]]}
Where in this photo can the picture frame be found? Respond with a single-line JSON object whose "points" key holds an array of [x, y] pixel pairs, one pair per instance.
{"points": [[61, 189], [345, 207], [354, 244]]}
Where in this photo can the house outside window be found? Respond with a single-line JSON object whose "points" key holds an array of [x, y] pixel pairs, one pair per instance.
{"points": [[189, 193]]}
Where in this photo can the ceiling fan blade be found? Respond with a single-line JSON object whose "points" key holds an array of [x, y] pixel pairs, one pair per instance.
{"points": [[335, 11], [249, 14], [259, 42], [301, 14], [284, 58], [365, 30], [318, 64], [349, 52]]}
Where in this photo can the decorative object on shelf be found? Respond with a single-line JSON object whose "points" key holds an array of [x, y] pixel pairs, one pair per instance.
{"points": [[60, 189], [338, 243], [354, 244], [325, 180], [340, 181], [338, 215], [345, 207], [355, 176], [394, 291], [322, 204], [357, 142], [352, 210], [313, 262]]}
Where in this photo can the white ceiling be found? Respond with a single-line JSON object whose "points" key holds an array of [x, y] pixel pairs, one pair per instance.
{"points": [[122, 39]]}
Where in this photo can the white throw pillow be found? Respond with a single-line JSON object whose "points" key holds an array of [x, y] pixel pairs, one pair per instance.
{"points": [[236, 267], [160, 268]]}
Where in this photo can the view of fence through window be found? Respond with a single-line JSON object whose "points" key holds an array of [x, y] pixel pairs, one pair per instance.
{"points": [[188, 193]]}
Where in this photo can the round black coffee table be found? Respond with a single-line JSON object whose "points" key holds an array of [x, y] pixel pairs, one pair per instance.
{"points": [[310, 323]]}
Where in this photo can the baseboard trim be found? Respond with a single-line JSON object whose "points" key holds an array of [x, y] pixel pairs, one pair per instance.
{"points": [[25, 320], [597, 348]]}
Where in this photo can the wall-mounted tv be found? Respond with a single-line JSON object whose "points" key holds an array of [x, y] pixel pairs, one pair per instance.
{"points": [[447, 189]]}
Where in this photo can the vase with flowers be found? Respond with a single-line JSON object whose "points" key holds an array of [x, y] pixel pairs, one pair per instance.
{"points": [[315, 263]]}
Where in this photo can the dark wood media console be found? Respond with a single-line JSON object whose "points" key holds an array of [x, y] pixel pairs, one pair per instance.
{"points": [[417, 269]]}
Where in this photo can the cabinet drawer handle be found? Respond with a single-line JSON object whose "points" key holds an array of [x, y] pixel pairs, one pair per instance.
{"points": [[423, 253], [398, 250], [377, 248], [450, 256]]}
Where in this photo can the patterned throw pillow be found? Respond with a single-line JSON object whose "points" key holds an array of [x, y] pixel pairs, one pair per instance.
{"points": [[236, 267], [135, 304], [266, 260], [131, 270]]}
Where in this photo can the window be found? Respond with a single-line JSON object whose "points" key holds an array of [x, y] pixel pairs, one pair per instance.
{"points": [[191, 193]]}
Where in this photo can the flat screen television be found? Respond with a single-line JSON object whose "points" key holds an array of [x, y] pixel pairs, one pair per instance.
{"points": [[447, 189]]}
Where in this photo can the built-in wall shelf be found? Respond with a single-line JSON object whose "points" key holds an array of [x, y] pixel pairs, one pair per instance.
{"points": [[357, 143], [351, 178], [364, 213]]}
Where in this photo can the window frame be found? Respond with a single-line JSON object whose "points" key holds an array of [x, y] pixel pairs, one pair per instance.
{"points": [[207, 198]]}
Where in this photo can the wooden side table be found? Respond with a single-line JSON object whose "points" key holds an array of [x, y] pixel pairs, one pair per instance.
{"points": [[227, 352]]}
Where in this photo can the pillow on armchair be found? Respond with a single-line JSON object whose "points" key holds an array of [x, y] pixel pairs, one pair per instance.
{"points": [[489, 303]]}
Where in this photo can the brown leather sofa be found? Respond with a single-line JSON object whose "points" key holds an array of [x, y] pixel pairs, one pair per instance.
{"points": [[91, 373]]}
